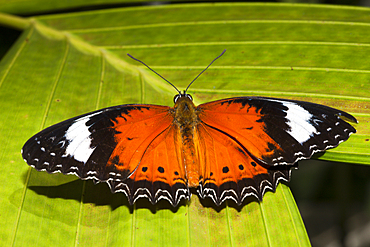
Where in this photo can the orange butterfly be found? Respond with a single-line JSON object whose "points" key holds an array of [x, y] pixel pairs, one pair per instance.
{"points": [[230, 148]]}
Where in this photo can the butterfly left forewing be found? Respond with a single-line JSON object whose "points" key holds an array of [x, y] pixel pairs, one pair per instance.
{"points": [[84, 144], [67, 146]]}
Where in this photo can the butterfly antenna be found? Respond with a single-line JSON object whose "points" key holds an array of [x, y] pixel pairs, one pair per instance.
{"points": [[204, 70], [155, 72]]}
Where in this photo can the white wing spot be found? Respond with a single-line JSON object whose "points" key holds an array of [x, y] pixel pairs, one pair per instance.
{"points": [[299, 121], [78, 136]]}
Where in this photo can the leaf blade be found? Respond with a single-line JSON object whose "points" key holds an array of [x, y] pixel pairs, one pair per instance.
{"points": [[270, 64]]}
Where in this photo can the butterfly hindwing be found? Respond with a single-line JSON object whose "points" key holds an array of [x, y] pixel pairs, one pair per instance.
{"points": [[230, 172], [159, 173], [277, 131]]}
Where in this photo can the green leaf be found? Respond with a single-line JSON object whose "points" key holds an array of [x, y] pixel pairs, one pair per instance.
{"points": [[37, 6], [68, 64]]}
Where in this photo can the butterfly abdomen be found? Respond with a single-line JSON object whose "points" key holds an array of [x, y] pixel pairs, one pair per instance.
{"points": [[185, 120]]}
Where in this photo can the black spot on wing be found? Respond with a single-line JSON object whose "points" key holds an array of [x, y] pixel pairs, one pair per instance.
{"points": [[115, 161], [161, 169], [225, 169]]}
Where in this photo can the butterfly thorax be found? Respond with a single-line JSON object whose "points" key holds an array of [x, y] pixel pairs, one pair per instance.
{"points": [[185, 120]]}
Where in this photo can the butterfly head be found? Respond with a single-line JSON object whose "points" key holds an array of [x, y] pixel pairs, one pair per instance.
{"points": [[182, 95], [184, 110]]}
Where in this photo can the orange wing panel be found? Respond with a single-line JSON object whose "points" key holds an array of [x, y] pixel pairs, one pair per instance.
{"points": [[240, 122], [134, 133], [156, 171], [230, 172]]}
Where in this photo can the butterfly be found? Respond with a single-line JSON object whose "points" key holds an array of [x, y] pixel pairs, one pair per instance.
{"points": [[229, 149]]}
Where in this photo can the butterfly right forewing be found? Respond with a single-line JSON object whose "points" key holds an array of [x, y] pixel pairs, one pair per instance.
{"points": [[278, 131]]}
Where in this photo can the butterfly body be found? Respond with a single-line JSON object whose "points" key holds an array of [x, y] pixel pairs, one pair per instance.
{"points": [[186, 122]]}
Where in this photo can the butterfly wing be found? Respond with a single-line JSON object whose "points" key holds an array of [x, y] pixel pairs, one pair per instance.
{"points": [[278, 131], [230, 172], [248, 144], [159, 173], [113, 145]]}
